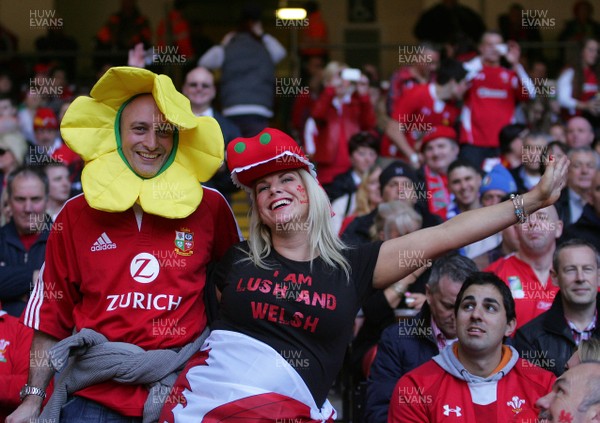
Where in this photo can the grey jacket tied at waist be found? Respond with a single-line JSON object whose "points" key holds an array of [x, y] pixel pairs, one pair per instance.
{"points": [[94, 360]]}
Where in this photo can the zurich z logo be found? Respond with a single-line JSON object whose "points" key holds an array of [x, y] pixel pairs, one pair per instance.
{"points": [[448, 410]]}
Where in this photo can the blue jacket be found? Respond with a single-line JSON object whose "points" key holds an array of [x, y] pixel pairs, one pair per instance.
{"points": [[403, 347], [17, 265]]}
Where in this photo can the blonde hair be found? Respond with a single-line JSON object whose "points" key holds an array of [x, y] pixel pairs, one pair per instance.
{"points": [[396, 214], [363, 204], [322, 240], [589, 350], [332, 69]]}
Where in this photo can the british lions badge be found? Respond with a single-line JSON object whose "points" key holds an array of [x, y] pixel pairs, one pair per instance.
{"points": [[184, 241]]}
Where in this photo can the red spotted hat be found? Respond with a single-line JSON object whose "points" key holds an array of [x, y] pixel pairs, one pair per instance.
{"points": [[270, 151], [438, 132], [45, 118]]}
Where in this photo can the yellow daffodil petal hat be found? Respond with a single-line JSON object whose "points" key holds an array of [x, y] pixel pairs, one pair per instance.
{"points": [[91, 128]]}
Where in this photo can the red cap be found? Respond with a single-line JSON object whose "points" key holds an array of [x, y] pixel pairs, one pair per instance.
{"points": [[438, 132], [45, 118], [270, 151]]}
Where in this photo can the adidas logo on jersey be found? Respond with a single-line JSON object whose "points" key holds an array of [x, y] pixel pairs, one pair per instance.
{"points": [[103, 243]]}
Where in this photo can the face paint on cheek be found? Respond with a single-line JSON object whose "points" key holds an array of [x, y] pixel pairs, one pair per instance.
{"points": [[565, 417], [303, 195]]}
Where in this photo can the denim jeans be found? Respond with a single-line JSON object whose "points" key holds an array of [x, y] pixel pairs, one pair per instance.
{"points": [[81, 410]]}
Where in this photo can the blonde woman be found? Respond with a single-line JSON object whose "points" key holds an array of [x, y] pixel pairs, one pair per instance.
{"points": [[289, 295]]}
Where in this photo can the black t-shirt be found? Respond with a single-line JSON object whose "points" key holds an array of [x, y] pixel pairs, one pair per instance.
{"points": [[304, 314]]}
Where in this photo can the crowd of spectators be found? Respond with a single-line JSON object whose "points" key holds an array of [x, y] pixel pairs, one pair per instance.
{"points": [[468, 124]]}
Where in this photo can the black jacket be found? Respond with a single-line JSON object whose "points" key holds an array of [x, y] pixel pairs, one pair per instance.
{"points": [[586, 228], [221, 180], [403, 347], [563, 208], [17, 265], [546, 341]]}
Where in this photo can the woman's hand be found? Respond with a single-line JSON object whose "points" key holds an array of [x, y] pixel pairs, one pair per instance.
{"points": [[552, 182], [415, 300]]}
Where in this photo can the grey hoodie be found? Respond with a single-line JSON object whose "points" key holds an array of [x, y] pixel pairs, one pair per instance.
{"points": [[483, 389]]}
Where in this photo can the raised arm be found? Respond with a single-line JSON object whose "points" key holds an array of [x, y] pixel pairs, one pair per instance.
{"points": [[463, 229]]}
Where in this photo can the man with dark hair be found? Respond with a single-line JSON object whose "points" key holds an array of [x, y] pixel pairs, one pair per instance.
{"points": [[511, 144], [492, 97], [464, 182], [478, 378], [412, 342], [420, 109], [580, 132], [550, 339], [398, 181], [363, 147], [530, 171], [575, 396], [23, 239]]}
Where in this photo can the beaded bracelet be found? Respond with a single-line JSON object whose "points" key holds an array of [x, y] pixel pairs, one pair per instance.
{"points": [[519, 208]]}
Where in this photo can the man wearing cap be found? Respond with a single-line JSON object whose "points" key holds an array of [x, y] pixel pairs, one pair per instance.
{"points": [[496, 185], [495, 188], [398, 181], [48, 143], [422, 108], [440, 148], [127, 260]]}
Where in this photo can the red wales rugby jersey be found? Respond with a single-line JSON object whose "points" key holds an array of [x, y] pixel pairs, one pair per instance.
{"points": [[141, 285], [417, 112], [489, 105]]}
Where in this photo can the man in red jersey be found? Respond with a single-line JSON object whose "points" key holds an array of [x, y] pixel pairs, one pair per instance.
{"points": [[127, 263], [477, 378], [421, 109], [491, 99]]}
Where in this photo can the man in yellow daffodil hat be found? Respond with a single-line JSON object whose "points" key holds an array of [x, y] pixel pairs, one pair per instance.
{"points": [[126, 261]]}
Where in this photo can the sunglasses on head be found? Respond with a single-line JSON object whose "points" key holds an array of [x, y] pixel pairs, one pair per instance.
{"points": [[196, 84]]}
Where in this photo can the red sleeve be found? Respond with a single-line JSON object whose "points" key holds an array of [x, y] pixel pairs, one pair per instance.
{"points": [[323, 104], [14, 377], [368, 120], [406, 105], [300, 111], [519, 90], [50, 307], [405, 404], [227, 232]]}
